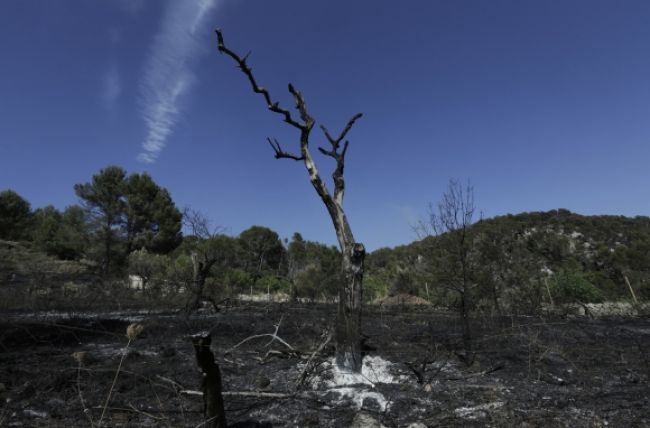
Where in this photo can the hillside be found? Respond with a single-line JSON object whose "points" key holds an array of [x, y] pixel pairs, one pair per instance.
{"points": [[521, 259]]}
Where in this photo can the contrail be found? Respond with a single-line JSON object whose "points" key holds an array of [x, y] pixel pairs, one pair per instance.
{"points": [[168, 74]]}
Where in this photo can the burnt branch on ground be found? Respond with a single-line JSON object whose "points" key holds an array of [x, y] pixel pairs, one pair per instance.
{"points": [[274, 336]]}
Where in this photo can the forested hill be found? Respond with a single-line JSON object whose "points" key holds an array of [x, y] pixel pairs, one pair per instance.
{"points": [[512, 259]]}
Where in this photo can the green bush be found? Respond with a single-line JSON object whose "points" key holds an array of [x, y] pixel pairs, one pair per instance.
{"points": [[570, 286], [238, 281], [272, 284]]}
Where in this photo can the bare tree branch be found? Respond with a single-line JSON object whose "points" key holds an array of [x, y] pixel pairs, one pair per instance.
{"points": [[199, 224], [339, 156], [308, 366], [272, 105], [302, 107], [305, 128], [333, 205], [280, 154], [335, 142]]}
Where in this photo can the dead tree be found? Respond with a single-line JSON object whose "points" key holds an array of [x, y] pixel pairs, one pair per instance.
{"points": [[348, 322], [203, 255], [450, 222]]}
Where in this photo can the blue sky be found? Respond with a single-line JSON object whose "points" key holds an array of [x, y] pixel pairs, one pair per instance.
{"points": [[541, 104]]}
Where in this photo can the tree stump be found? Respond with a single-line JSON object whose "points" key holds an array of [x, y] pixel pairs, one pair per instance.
{"points": [[213, 412]]}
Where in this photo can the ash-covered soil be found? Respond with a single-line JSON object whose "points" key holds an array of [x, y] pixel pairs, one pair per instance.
{"points": [[528, 372]]}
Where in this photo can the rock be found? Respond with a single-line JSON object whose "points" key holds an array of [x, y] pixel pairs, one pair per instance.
{"points": [[575, 309], [416, 425], [611, 309], [364, 420]]}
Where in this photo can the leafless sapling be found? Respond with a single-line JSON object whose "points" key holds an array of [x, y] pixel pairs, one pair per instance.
{"points": [[348, 322], [450, 222]]}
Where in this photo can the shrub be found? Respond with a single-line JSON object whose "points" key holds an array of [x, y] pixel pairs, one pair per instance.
{"points": [[570, 286]]}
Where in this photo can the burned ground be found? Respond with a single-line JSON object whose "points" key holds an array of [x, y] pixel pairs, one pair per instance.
{"points": [[529, 371]]}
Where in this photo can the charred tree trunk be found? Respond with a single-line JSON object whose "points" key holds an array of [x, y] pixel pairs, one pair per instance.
{"points": [[468, 357], [200, 270], [213, 412], [465, 297], [348, 321]]}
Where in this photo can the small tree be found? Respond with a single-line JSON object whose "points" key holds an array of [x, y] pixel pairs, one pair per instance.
{"points": [[263, 251], [15, 216], [208, 248], [128, 213], [47, 223], [151, 219], [104, 201], [348, 321], [296, 262], [73, 237], [572, 286], [450, 222], [148, 266]]}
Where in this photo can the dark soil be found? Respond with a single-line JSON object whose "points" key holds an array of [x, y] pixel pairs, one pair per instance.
{"points": [[528, 372]]}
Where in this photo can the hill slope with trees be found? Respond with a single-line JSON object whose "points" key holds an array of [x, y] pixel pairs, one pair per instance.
{"points": [[519, 260]]}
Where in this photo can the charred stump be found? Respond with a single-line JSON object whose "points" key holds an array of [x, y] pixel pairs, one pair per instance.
{"points": [[213, 411], [199, 273]]}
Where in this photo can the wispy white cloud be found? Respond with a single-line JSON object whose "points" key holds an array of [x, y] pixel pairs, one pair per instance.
{"points": [[203, 7], [111, 86], [168, 75]]}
